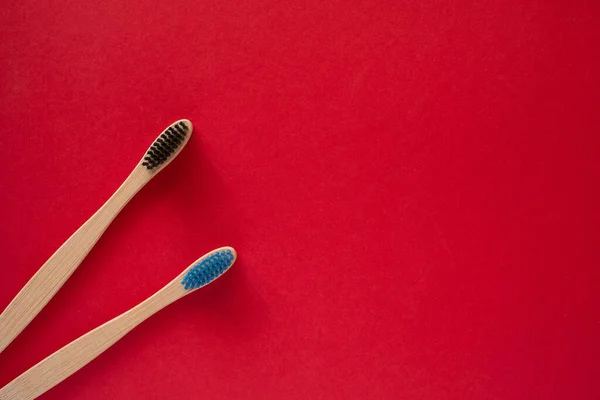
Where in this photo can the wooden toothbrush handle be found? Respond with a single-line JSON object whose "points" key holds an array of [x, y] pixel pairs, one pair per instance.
{"points": [[59, 267], [63, 363]]}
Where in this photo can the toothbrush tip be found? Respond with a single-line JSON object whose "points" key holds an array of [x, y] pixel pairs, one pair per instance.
{"points": [[188, 123], [233, 252]]}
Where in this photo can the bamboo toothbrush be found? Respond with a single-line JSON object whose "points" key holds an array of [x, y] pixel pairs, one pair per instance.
{"points": [[63, 363], [59, 267]]}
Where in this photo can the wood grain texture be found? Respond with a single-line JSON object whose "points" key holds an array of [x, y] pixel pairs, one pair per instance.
{"points": [[72, 357], [63, 363], [38, 291]]}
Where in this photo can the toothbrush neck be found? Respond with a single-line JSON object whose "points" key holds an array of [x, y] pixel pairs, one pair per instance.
{"points": [[152, 305]]}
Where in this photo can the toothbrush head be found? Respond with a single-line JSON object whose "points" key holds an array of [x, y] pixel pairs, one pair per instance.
{"points": [[209, 268], [167, 145]]}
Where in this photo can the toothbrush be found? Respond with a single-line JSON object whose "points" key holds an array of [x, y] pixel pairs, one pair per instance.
{"points": [[53, 274], [63, 363]]}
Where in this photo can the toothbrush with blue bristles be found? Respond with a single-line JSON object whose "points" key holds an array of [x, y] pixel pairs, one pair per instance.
{"points": [[63, 363]]}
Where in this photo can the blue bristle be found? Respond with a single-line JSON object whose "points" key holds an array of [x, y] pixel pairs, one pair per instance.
{"points": [[207, 270]]}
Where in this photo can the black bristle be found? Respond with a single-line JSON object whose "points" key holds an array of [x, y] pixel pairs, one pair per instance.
{"points": [[166, 144], [178, 131], [163, 143], [173, 133], [174, 140], [160, 149]]}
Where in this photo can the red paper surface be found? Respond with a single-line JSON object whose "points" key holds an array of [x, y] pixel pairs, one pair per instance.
{"points": [[412, 188]]}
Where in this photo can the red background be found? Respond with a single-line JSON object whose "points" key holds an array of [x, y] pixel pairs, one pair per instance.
{"points": [[411, 186]]}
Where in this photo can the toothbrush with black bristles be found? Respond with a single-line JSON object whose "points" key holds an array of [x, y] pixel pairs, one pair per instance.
{"points": [[63, 363], [53, 274]]}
